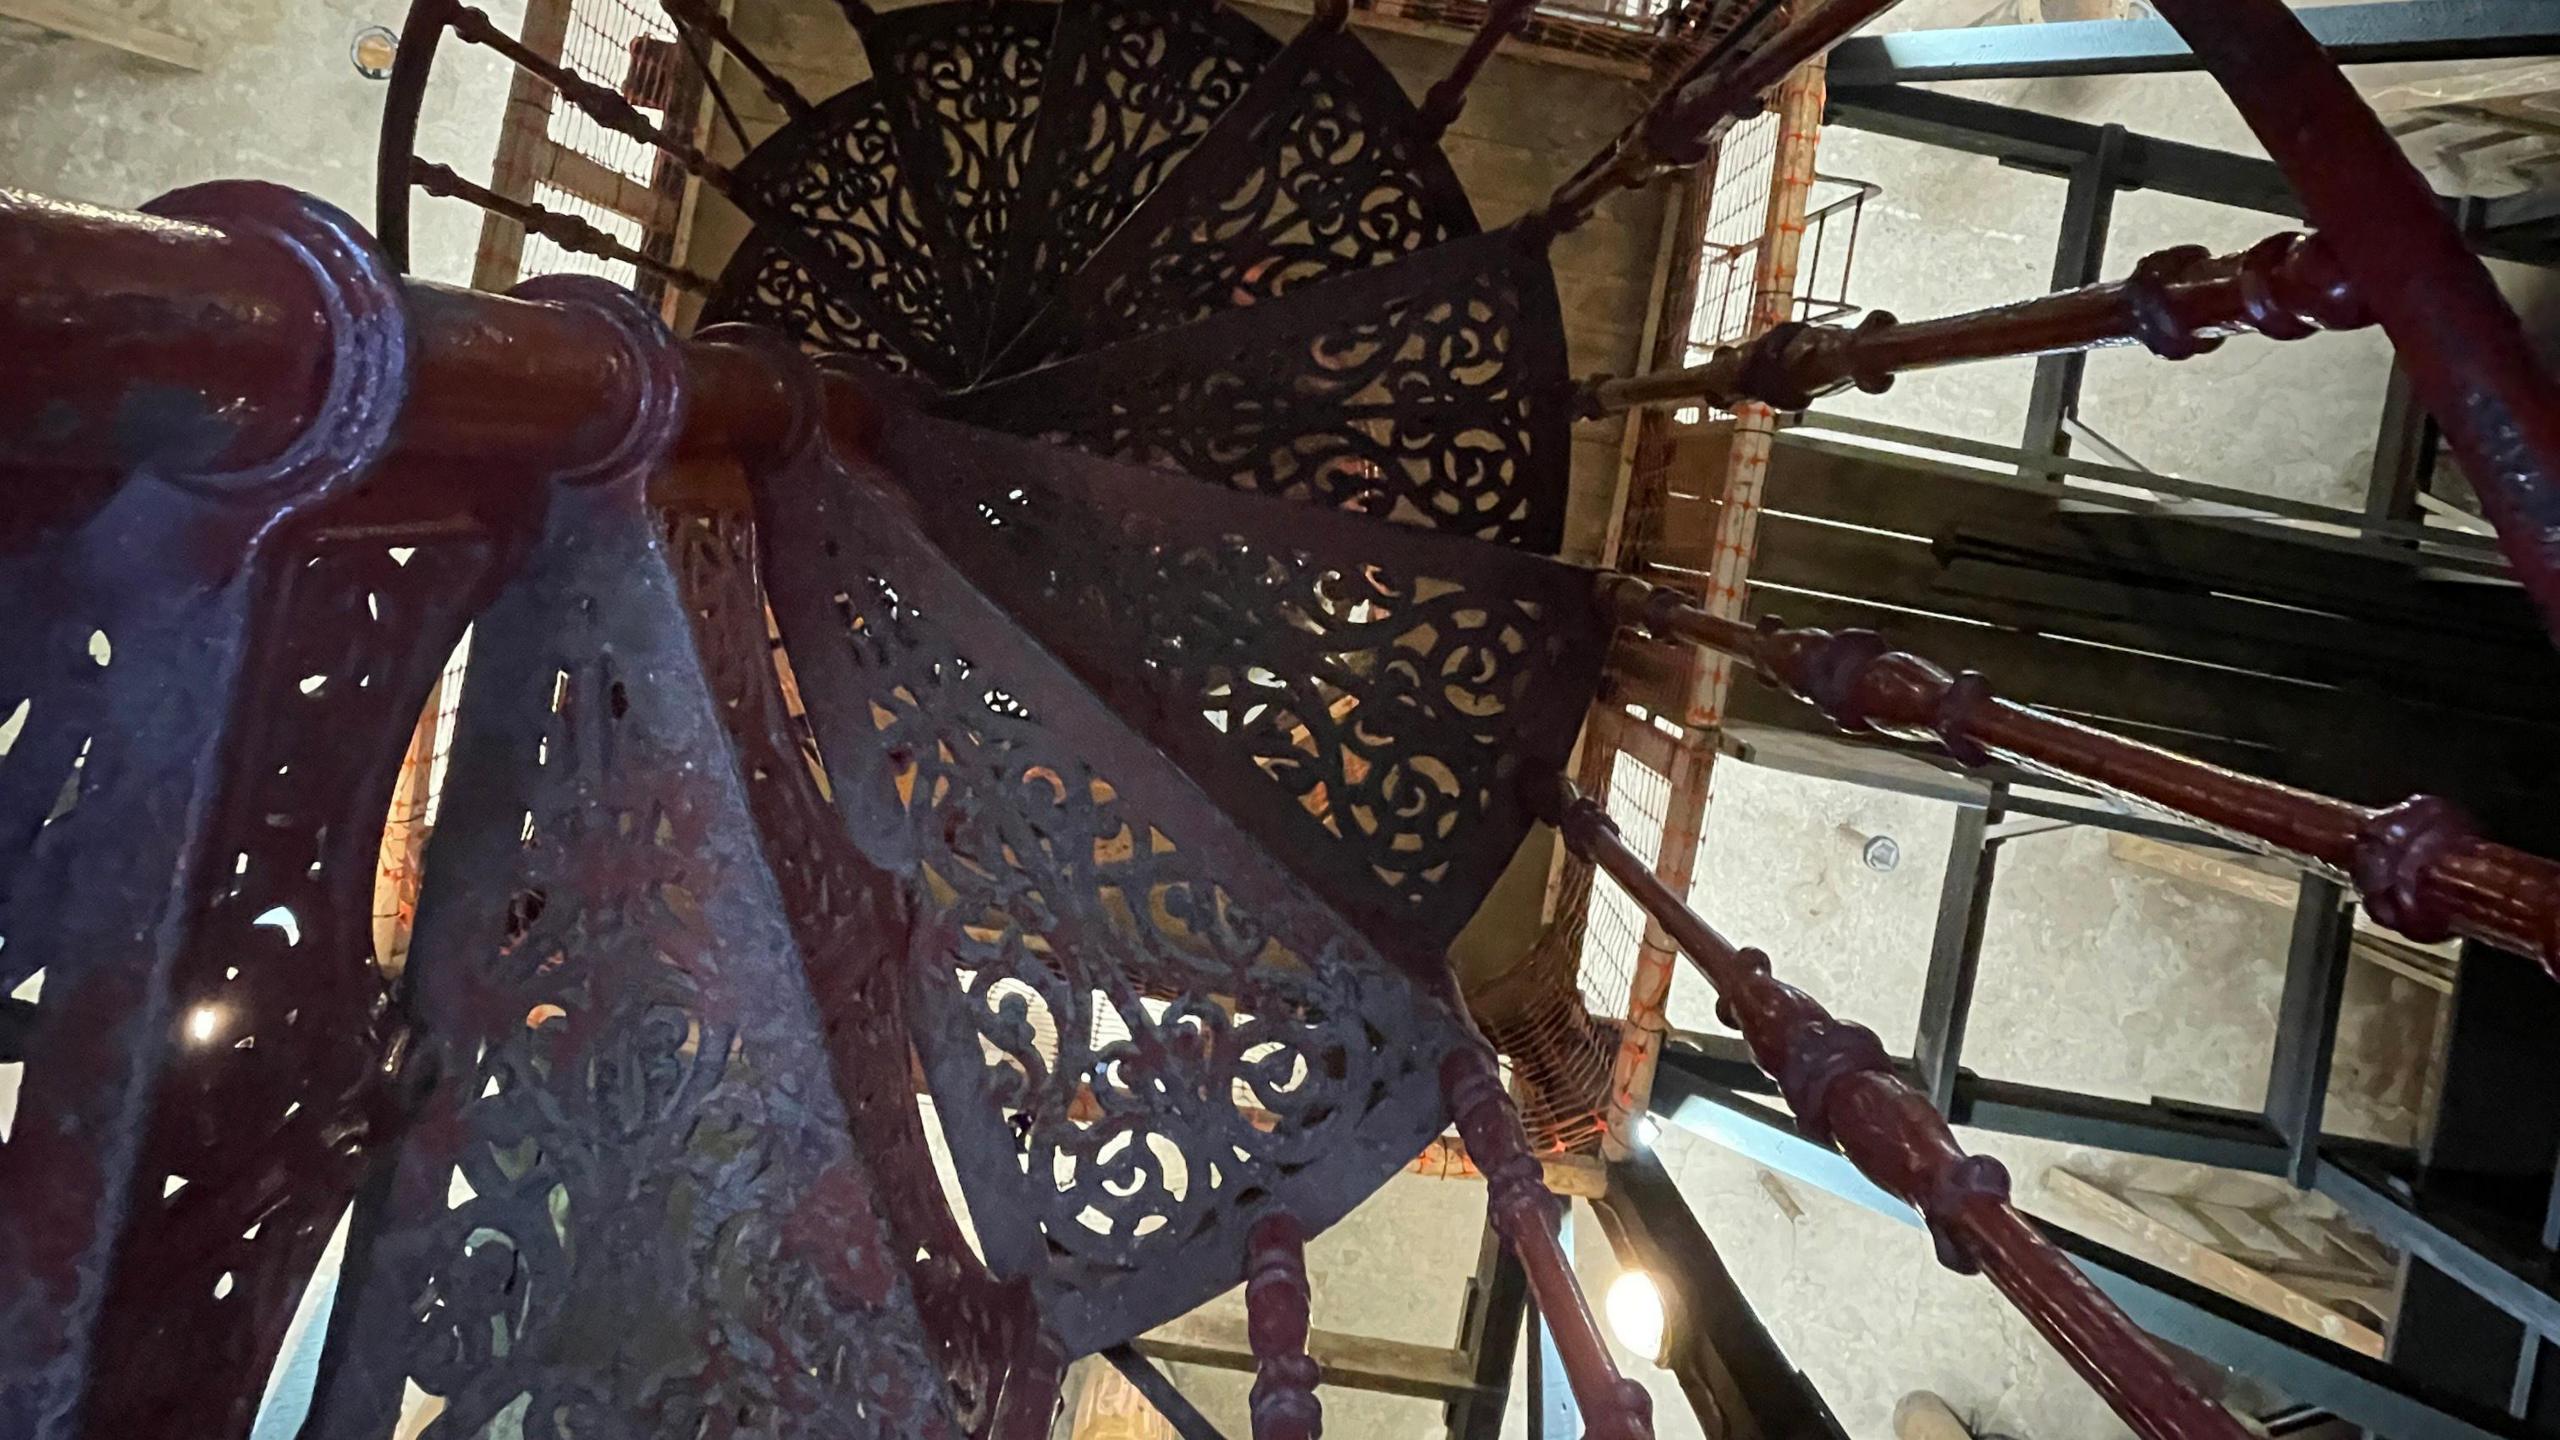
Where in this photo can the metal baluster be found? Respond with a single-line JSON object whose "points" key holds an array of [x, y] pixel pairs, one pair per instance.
{"points": [[1447, 97], [569, 232], [1285, 1406], [1526, 1215], [1682, 126], [2178, 303], [1844, 1090], [601, 102], [2419, 866]]}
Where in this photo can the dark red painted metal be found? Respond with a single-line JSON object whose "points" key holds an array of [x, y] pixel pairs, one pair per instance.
{"points": [[141, 341], [2419, 866], [2178, 303], [1843, 1090], [848, 923], [149, 341], [1527, 1216], [1276, 1300], [567, 231], [140, 832], [2466, 352], [1447, 98], [147, 588]]}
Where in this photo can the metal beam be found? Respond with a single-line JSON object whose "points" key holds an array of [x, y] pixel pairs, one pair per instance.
{"points": [[2469, 1248], [2521, 229], [2315, 981], [2079, 259], [1171, 1403], [2368, 34], [1489, 1332], [1955, 951], [2308, 1369], [1552, 1412], [2051, 145], [2404, 452], [1718, 1068], [1355, 1362]]}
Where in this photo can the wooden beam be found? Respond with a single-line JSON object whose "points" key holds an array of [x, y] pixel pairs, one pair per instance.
{"points": [[580, 175], [1358, 1362], [2164, 1245], [99, 21]]}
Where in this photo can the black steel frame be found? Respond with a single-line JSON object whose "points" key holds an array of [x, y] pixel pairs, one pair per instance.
{"points": [[2397, 31], [2383, 1398]]}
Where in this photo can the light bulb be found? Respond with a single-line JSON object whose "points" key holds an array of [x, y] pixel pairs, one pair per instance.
{"points": [[1634, 1307]]}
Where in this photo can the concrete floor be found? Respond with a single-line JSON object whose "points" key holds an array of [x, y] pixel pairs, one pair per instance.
{"points": [[2097, 974]]}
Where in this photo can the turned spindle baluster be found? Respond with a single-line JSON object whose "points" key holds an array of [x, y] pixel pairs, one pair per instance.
{"points": [[2419, 866], [2178, 303], [705, 17], [1447, 97], [601, 102], [1844, 1090], [1682, 126], [569, 232], [1526, 1215], [1276, 1298]]}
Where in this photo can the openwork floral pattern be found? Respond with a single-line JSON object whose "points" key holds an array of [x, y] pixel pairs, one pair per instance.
{"points": [[964, 82], [1134, 87], [1362, 697], [850, 919], [1329, 180], [629, 1202], [1140, 1033], [1431, 391], [841, 177]]}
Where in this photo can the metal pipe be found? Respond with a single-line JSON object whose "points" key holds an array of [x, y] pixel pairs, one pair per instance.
{"points": [[1843, 1088]]}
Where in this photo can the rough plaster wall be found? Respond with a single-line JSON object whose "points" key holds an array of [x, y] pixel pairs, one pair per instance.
{"points": [[278, 100], [1954, 232]]}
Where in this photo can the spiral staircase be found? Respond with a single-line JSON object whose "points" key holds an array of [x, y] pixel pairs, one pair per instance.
{"points": [[868, 694]]}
